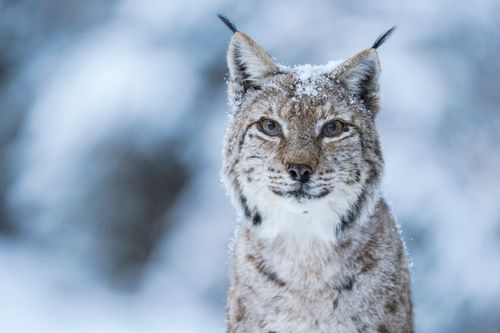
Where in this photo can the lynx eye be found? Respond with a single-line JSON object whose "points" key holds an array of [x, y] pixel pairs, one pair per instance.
{"points": [[333, 128], [269, 127]]}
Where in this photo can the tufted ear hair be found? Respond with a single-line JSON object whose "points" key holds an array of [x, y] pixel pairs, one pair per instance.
{"points": [[248, 63], [360, 74]]}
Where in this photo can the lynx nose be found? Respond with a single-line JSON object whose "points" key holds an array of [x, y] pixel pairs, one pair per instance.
{"points": [[300, 172]]}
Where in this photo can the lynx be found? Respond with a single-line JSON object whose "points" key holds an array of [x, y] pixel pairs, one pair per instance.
{"points": [[317, 248]]}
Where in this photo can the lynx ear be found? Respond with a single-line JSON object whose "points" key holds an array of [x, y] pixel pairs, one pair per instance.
{"points": [[248, 63], [360, 75]]}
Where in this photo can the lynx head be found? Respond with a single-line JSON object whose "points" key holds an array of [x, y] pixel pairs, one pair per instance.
{"points": [[301, 137]]}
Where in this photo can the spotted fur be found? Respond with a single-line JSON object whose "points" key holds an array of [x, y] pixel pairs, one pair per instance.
{"points": [[324, 255]]}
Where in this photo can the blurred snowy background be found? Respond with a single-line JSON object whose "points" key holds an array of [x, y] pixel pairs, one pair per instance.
{"points": [[112, 114]]}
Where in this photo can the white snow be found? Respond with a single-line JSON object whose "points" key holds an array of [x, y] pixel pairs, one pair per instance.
{"points": [[309, 75], [308, 72]]}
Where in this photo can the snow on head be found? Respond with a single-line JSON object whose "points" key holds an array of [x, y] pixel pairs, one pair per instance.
{"points": [[308, 76], [309, 72]]}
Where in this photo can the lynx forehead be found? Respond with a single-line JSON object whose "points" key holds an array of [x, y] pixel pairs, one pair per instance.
{"points": [[303, 164]]}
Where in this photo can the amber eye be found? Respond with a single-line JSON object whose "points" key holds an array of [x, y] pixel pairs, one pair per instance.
{"points": [[333, 128], [269, 127]]}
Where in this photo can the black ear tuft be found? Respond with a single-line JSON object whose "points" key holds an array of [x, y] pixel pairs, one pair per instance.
{"points": [[228, 23], [383, 37]]}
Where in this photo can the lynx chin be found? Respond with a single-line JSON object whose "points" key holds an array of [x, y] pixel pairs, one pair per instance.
{"points": [[317, 249]]}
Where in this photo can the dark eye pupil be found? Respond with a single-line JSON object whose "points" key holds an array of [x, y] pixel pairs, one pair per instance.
{"points": [[331, 127], [269, 127]]}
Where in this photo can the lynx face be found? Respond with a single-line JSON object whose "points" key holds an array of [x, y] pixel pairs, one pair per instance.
{"points": [[300, 136]]}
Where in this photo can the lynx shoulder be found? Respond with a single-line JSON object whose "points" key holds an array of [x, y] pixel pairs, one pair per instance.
{"points": [[317, 249]]}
